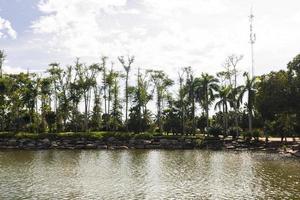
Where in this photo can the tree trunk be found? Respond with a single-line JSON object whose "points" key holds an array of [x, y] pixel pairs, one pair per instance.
{"points": [[109, 99], [126, 105], [193, 115], [207, 116], [182, 109], [237, 124], [206, 108], [250, 120], [104, 89], [236, 118], [250, 111], [159, 112], [226, 119], [85, 111]]}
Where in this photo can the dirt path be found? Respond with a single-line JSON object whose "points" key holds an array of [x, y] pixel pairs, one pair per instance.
{"points": [[278, 139]]}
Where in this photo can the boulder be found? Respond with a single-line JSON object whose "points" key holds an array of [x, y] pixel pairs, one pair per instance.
{"points": [[132, 141], [31, 145], [296, 147], [188, 141], [80, 146], [46, 141], [91, 146], [12, 142], [297, 153], [152, 146], [164, 141], [111, 139], [80, 142], [54, 144], [121, 147], [146, 142], [101, 146], [139, 146], [230, 147]]}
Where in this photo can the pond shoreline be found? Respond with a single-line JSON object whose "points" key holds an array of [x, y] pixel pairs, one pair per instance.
{"points": [[289, 148]]}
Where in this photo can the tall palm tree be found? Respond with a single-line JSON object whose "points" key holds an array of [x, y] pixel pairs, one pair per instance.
{"points": [[250, 89], [161, 84], [206, 86], [224, 94], [104, 83], [190, 91], [127, 70], [116, 113], [2, 89], [2, 58]]}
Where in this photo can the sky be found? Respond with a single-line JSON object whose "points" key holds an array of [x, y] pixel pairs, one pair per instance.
{"points": [[161, 34]]}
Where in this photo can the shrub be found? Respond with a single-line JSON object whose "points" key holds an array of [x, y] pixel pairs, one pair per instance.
{"points": [[23, 135], [233, 131], [88, 135], [247, 135], [214, 130], [144, 136], [256, 134], [7, 135], [118, 135]]}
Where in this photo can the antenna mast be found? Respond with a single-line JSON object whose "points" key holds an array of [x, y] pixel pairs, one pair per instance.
{"points": [[252, 41]]}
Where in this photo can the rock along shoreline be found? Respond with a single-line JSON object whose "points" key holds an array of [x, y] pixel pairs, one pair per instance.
{"points": [[109, 143], [288, 149]]}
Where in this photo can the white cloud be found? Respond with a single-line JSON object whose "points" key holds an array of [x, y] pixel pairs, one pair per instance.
{"points": [[12, 70], [171, 34], [6, 29]]}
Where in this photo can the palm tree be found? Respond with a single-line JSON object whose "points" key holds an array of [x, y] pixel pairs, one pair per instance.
{"points": [[109, 83], [45, 96], [223, 95], [249, 88], [2, 58], [206, 85], [104, 83], [161, 83], [190, 90], [2, 89], [116, 114], [181, 102], [127, 70]]}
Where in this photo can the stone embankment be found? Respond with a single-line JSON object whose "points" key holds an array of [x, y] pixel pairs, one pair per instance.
{"points": [[109, 143], [288, 149]]}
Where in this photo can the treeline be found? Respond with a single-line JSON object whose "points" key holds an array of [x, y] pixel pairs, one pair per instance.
{"points": [[52, 102]]}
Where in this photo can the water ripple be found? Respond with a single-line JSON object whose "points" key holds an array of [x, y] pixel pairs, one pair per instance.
{"points": [[147, 174]]}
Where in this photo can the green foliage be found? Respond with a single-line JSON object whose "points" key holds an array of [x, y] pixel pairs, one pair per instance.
{"points": [[7, 134], [144, 136], [201, 122], [215, 131], [88, 135], [234, 130], [72, 99], [205, 87], [247, 135], [161, 83], [172, 119], [256, 134], [118, 135], [140, 117], [139, 122]]}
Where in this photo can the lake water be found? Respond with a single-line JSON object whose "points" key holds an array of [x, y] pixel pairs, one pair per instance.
{"points": [[147, 174]]}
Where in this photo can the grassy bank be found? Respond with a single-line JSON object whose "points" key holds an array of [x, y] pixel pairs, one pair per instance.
{"points": [[92, 135]]}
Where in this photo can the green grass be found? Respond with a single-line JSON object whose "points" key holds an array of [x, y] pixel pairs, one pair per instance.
{"points": [[94, 135]]}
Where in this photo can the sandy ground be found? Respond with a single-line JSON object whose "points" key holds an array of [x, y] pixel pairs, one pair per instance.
{"points": [[278, 139]]}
